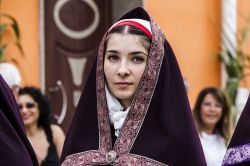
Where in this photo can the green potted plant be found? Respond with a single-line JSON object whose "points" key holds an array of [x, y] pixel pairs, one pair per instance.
{"points": [[9, 35], [236, 63], [7, 24], [3, 28]]}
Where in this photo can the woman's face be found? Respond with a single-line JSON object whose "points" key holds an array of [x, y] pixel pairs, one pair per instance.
{"points": [[124, 63], [29, 109], [211, 111]]}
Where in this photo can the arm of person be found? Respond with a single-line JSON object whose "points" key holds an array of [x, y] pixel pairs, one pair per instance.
{"points": [[58, 138]]}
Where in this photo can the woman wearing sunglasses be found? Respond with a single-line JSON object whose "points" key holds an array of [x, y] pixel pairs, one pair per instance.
{"points": [[47, 139]]}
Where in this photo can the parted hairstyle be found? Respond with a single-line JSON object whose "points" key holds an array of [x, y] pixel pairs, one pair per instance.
{"points": [[128, 29]]}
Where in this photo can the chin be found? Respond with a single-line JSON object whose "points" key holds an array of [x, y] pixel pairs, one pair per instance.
{"points": [[27, 122], [123, 96], [211, 123]]}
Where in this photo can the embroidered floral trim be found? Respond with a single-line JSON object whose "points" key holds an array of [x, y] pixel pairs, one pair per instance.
{"points": [[136, 160], [237, 155], [94, 157], [84, 158], [140, 104], [139, 107], [105, 142]]}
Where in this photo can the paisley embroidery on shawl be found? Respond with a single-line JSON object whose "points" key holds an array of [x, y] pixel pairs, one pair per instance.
{"points": [[137, 112], [105, 142], [237, 155], [136, 160], [84, 158], [143, 96], [94, 157]]}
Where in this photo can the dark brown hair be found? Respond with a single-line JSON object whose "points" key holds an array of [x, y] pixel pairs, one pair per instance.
{"points": [[44, 108], [128, 29]]}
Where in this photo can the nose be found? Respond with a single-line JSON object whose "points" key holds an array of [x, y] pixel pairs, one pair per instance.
{"points": [[123, 69], [213, 107], [23, 110]]}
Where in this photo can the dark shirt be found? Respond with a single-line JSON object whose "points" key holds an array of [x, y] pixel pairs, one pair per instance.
{"points": [[52, 158]]}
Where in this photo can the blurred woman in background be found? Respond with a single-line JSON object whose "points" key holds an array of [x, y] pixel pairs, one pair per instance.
{"points": [[213, 120], [46, 138]]}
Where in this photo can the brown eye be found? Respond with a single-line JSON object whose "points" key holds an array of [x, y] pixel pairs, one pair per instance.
{"points": [[218, 105], [137, 59], [113, 58], [206, 104]]}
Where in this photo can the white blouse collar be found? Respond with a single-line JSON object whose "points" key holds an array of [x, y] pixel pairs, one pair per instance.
{"points": [[116, 114]]}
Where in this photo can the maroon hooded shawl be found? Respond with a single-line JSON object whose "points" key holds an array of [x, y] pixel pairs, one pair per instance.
{"points": [[15, 148], [159, 129], [238, 151]]}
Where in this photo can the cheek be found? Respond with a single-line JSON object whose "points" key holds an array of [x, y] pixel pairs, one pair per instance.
{"points": [[139, 72], [203, 112], [106, 69], [110, 69], [36, 115], [220, 113]]}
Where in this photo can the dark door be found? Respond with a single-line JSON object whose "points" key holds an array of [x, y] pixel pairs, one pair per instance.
{"points": [[73, 30]]}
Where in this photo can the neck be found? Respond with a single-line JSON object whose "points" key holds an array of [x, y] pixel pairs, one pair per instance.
{"points": [[208, 130], [125, 103], [31, 130]]}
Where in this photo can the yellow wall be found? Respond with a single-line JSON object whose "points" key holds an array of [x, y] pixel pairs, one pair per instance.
{"points": [[26, 12], [189, 27]]}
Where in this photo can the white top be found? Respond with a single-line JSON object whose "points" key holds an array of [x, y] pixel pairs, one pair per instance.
{"points": [[117, 115], [214, 148], [10, 74]]}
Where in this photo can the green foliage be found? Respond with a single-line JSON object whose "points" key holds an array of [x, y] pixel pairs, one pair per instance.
{"points": [[235, 64], [232, 64], [4, 27]]}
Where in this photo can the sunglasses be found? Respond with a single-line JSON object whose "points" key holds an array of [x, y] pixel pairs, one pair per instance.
{"points": [[27, 105]]}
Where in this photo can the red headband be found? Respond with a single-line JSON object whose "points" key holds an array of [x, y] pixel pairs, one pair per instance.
{"points": [[135, 24]]}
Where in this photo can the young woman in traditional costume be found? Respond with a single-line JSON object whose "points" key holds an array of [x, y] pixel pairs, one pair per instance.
{"points": [[134, 109]]}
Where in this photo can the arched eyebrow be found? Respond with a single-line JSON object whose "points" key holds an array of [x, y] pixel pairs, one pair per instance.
{"points": [[138, 52], [112, 51], [131, 53]]}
